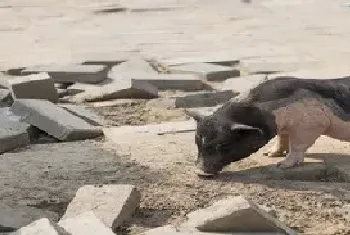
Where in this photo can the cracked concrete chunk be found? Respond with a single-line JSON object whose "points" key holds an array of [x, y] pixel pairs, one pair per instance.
{"points": [[72, 73], [112, 204], [206, 71], [41, 227], [234, 214], [204, 99], [119, 89], [133, 67], [35, 86], [54, 120], [85, 224]]}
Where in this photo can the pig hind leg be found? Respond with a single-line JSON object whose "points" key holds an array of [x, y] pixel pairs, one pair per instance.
{"points": [[281, 146]]}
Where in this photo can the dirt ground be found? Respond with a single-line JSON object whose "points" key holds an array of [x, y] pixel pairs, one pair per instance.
{"points": [[47, 176]]}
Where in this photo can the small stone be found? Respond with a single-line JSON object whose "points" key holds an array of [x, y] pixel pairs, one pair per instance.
{"points": [[85, 224], [112, 204], [54, 120], [72, 73], [35, 86], [206, 71]]}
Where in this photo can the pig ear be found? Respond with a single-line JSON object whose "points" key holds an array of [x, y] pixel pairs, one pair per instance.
{"points": [[195, 115], [243, 127]]}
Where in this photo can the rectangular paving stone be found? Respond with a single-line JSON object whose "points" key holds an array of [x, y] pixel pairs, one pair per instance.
{"points": [[204, 99], [71, 73], [34, 86], [87, 115], [112, 204], [54, 120], [206, 71], [189, 82], [118, 89], [85, 224]]}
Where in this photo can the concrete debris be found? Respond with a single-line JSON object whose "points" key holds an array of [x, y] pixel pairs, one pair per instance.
{"points": [[242, 84], [72, 73], [86, 114], [234, 214], [204, 99], [35, 86], [107, 58], [5, 98], [124, 88], [129, 69], [13, 217], [206, 71], [85, 224], [41, 227], [54, 120], [112, 204]]}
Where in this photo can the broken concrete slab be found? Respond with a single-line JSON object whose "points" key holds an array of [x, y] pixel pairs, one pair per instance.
{"points": [[10, 121], [135, 66], [234, 214], [189, 82], [87, 115], [206, 71], [41, 227], [13, 217], [12, 139], [112, 204], [54, 120], [275, 64], [85, 224], [124, 88], [108, 59], [203, 99], [158, 129], [242, 84], [35, 86], [71, 73]]}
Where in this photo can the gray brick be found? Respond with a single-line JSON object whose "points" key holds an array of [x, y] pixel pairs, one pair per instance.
{"points": [[54, 120], [72, 73], [35, 86], [187, 82], [206, 71], [204, 99], [112, 204]]}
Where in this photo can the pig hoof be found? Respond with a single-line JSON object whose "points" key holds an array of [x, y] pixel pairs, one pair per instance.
{"points": [[275, 154], [203, 174], [286, 164]]}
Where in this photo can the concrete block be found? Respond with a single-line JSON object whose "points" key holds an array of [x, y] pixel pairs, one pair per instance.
{"points": [[85, 224], [204, 99], [72, 73], [241, 84], [206, 71], [41, 227], [112, 204], [188, 82], [234, 214], [35, 86], [135, 66], [124, 88], [275, 64], [87, 115], [107, 58], [54, 120], [13, 217], [220, 58]]}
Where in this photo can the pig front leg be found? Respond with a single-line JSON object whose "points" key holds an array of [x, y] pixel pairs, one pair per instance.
{"points": [[281, 146]]}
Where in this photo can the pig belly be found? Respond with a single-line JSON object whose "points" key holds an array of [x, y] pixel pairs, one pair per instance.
{"points": [[339, 129]]}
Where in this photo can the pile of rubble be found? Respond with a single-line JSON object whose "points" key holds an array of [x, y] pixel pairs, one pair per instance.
{"points": [[102, 209]]}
